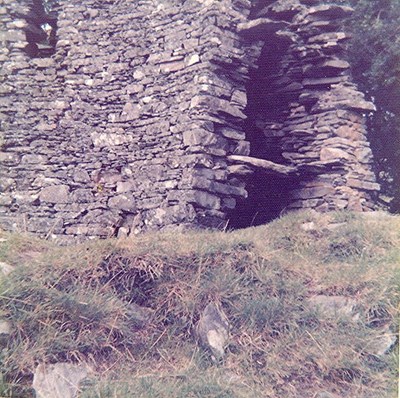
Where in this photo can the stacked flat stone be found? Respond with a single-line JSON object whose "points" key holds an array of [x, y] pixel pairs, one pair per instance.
{"points": [[127, 127], [312, 112], [138, 119]]}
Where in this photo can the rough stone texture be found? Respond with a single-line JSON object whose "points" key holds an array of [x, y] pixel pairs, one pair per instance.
{"points": [[383, 343], [312, 114], [334, 306], [213, 330], [5, 332], [5, 268], [5, 327], [128, 126], [60, 380]]}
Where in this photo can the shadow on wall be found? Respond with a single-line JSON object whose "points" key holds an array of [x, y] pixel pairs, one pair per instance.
{"points": [[268, 193], [268, 196], [41, 28]]}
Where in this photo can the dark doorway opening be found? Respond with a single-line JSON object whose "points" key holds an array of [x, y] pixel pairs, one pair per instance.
{"points": [[267, 109], [268, 196]]}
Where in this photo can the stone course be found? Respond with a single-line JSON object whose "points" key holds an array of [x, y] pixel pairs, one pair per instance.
{"points": [[315, 115], [132, 124]]}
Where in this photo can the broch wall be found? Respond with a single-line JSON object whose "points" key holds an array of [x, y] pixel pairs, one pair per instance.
{"points": [[154, 114]]}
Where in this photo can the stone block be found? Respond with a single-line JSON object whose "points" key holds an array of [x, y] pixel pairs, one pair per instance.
{"points": [[349, 132], [333, 306], [59, 380], [312, 192], [5, 327], [6, 184], [242, 148], [45, 225], [328, 154], [33, 159], [363, 185], [206, 200], [122, 202], [130, 112], [364, 155], [260, 28], [9, 158], [193, 59], [5, 269], [329, 12], [232, 134], [199, 137], [82, 176], [55, 194], [82, 196], [213, 329]]}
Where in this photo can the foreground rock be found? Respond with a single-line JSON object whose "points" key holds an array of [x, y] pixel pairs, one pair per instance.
{"points": [[60, 380], [5, 268], [213, 330], [384, 343], [334, 306]]}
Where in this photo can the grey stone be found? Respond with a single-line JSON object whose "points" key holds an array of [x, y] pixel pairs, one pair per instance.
{"points": [[207, 200], [336, 154], [81, 175], [6, 184], [313, 192], [141, 315], [213, 329], [325, 394], [383, 343], [5, 327], [5, 332], [333, 306], [309, 226], [32, 159], [261, 27], [130, 112], [329, 11], [122, 202], [60, 380], [82, 196], [199, 137], [5, 268], [364, 185], [55, 194]]}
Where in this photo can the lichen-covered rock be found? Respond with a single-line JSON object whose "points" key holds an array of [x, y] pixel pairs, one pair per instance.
{"points": [[60, 380], [334, 306], [213, 329], [383, 343], [5, 268]]}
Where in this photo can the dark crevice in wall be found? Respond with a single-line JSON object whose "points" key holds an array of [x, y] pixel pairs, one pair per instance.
{"points": [[41, 30], [268, 193], [268, 196]]}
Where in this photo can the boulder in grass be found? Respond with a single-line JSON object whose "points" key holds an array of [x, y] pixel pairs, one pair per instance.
{"points": [[213, 330], [333, 306], [59, 380]]}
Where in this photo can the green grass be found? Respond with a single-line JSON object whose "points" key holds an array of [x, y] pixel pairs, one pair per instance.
{"points": [[73, 304]]}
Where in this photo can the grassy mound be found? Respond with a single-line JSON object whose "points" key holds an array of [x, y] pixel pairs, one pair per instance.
{"points": [[129, 307]]}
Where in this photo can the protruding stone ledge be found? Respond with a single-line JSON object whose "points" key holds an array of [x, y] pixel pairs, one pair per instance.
{"points": [[266, 165], [260, 28], [329, 11]]}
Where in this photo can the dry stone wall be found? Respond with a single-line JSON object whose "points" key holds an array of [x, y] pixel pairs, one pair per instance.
{"points": [[310, 114], [132, 123]]}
